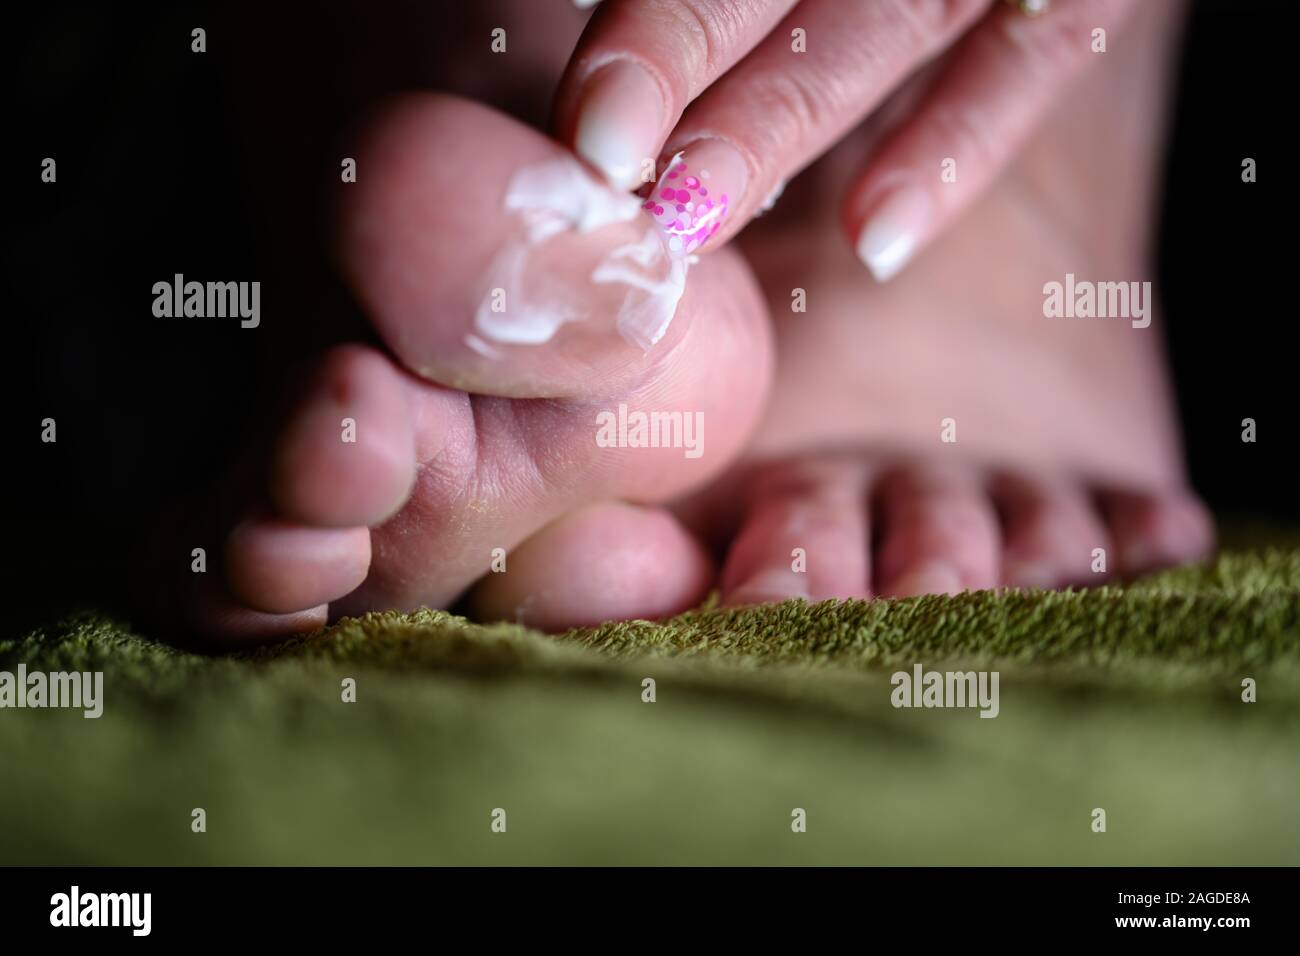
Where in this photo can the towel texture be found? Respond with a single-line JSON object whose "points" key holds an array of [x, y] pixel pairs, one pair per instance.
{"points": [[1124, 699]]}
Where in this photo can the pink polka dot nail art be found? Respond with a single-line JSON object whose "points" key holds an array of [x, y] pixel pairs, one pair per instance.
{"points": [[682, 202]]}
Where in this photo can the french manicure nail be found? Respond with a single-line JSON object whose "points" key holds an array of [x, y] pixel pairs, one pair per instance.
{"points": [[893, 229], [698, 188], [620, 122]]}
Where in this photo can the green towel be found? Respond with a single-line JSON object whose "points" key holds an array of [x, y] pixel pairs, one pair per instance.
{"points": [[771, 738]]}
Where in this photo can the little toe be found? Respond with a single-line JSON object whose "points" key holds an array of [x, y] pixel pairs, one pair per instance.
{"points": [[218, 619], [804, 535], [1051, 532], [605, 562], [939, 532], [346, 456], [278, 567], [1153, 530]]}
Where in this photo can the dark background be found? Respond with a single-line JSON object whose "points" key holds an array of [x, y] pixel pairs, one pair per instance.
{"points": [[163, 168]]}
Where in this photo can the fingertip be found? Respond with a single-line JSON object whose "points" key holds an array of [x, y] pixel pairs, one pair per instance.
{"points": [[620, 122], [891, 232]]}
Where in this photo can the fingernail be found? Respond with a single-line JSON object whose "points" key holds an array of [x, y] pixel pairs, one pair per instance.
{"points": [[620, 122], [932, 577], [892, 231], [696, 191]]}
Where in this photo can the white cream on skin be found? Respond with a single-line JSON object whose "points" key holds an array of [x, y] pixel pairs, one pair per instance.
{"points": [[644, 318], [558, 197]]}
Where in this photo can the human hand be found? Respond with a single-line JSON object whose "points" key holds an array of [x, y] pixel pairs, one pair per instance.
{"points": [[754, 90]]}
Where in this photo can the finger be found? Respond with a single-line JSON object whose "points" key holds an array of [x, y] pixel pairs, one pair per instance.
{"points": [[939, 532], [639, 63], [796, 95], [805, 535], [997, 82], [1157, 529], [1051, 532]]}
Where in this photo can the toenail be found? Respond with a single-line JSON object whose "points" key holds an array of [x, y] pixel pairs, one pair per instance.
{"points": [[931, 577], [1030, 574], [1138, 556], [768, 587]]}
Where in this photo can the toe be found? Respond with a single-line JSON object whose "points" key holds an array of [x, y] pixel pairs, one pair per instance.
{"points": [[939, 532], [805, 535], [604, 562], [560, 405], [1051, 532], [280, 568], [438, 246], [498, 470], [346, 457], [218, 619], [1153, 530]]}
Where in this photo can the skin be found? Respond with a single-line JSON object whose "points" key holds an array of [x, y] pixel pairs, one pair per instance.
{"points": [[1066, 440], [728, 70], [409, 513], [1066, 437]]}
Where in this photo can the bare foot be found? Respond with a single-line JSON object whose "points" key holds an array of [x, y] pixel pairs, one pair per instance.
{"points": [[1065, 444], [1066, 467], [445, 473]]}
